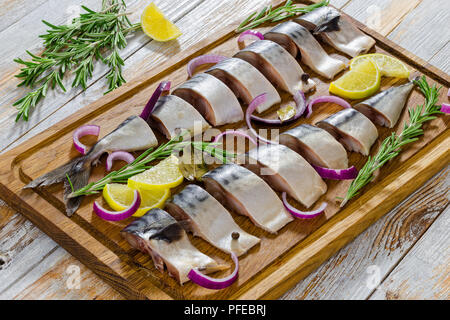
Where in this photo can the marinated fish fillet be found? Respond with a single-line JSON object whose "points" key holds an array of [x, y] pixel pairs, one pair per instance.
{"points": [[277, 65], [352, 129], [385, 108], [246, 82], [295, 38], [287, 171], [316, 145], [131, 135], [336, 30], [172, 113], [212, 98], [163, 238], [208, 219], [244, 192]]}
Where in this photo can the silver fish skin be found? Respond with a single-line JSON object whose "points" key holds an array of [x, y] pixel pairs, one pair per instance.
{"points": [[172, 113], [242, 191], [336, 30], [287, 171], [245, 81], [385, 108], [312, 53], [205, 217], [164, 239], [316, 145], [212, 98], [351, 128], [131, 135], [277, 65]]}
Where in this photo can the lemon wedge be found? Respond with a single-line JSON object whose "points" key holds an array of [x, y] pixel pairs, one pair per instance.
{"points": [[361, 81], [157, 26], [388, 66], [165, 174], [119, 197]]}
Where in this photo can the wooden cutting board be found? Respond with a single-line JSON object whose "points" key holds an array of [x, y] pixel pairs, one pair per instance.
{"points": [[281, 260]]}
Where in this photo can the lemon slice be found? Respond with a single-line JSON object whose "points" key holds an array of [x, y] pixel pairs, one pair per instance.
{"points": [[157, 26], [119, 197], [388, 66], [165, 174], [361, 81]]}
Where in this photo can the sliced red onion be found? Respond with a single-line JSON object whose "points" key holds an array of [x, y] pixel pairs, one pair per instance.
{"points": [[332, 99], [204, 59], [250, 35], [89, 129], [248, 114], [164, 86], [445, 108], [303, 214], [119, 215], [216, 284], [448, 92], [300, 102], [337, 174], [118, 155], [235, 133]]}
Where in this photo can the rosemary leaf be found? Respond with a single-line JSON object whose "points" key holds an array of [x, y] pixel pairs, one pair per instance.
{"points": [[391, 146]]}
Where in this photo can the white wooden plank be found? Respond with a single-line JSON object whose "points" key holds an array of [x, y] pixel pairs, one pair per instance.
{"points": [[339, 3], [424, 273], [13, 10], [441, 58], [351, 272], [9, 130], [425, 30]]}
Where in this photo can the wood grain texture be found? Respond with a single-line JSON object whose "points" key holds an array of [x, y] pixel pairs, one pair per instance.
{"points": [[424, 273], [347, 274], [36, 290], [13, 10], [26, 162]]}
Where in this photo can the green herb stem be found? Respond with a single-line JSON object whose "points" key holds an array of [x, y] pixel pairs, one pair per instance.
{"points": [[269, 14], [393, 144]]}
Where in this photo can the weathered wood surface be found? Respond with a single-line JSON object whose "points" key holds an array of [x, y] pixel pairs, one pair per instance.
{"points": [[83, 99]]}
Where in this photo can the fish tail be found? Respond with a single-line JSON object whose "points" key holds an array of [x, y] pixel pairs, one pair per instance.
{"points": [[78, 171]]}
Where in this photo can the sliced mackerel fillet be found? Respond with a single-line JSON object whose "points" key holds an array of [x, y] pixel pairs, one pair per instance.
{"points": [[316, 145], [385, 108], [205, 217], [242, 191], [245, 81], [287, 171], [277, 65], [172, 113], [163, 238], [295, 38], [336, 30], [212, 98], [351, 128]]}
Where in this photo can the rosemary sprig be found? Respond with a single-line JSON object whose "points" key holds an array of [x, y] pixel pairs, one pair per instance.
{"points": [[140, 164], [393, 144], [269, 14], [88, 38]]}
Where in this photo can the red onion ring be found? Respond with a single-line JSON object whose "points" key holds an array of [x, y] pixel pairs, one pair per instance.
{"points": [[337, 174], [235, 133], [445, 108], [248, 113], [216, 284], [89, 129], [448, 92], [118, 155], [332, 99], [118, 215], [204, 59], [303, 214], [300, 102], [163, 87], [250, 35]]}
